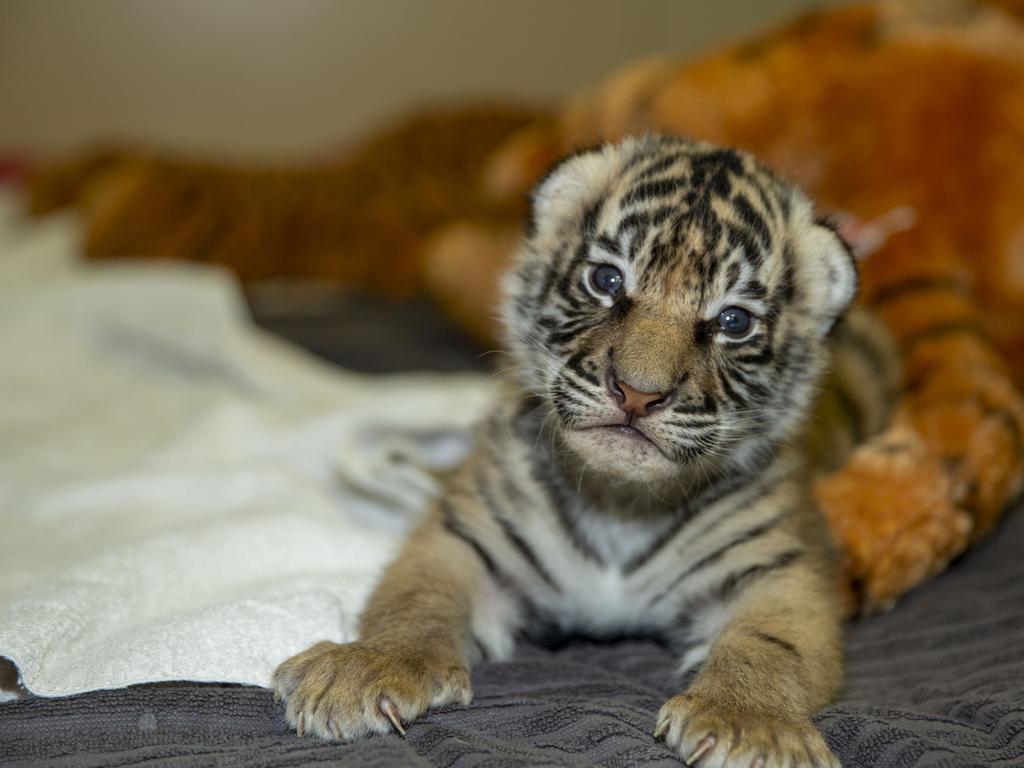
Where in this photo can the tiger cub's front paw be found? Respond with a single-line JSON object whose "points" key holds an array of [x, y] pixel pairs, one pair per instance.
{"points": [[346, 691], [707, 734]]}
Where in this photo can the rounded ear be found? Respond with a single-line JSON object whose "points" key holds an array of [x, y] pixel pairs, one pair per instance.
{"points": [[830, 272], [566, 190]]}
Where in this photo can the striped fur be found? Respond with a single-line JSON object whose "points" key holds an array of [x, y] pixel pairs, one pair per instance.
{"points": [[696, 526]]}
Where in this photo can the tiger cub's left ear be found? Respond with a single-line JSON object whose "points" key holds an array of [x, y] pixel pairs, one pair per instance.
{"points": [[830, 272]]}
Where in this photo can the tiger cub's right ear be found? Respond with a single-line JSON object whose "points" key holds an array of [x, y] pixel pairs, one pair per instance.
{"points": [[565, 192]]}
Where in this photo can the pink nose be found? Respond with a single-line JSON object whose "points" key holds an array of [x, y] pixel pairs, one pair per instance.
{"points": [[634, 402]]}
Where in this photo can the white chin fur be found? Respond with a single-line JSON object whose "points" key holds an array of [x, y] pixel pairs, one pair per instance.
{"points": [[609, 453]]}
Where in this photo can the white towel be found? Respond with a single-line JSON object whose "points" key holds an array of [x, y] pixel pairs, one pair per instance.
{"points": [[181, 496]]}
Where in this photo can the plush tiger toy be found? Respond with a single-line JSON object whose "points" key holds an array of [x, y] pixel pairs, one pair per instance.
{"points": [[670, 317]]}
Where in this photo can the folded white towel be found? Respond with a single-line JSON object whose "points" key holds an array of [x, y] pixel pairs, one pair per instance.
{"points": [[181, 496]]}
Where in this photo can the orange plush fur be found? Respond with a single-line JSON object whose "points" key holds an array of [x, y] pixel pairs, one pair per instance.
{"points": [[357, 218]]}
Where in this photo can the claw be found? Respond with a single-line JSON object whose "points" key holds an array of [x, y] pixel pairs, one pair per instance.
{"points": [[336, 731], [391, 713], [661, 728], [703, 747], [300, 724]]}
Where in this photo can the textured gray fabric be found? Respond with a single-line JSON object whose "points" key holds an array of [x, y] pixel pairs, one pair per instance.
{"points": [[937, 682]]}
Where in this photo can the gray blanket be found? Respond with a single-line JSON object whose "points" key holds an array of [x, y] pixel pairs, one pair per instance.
{"points": [[937, 682]]}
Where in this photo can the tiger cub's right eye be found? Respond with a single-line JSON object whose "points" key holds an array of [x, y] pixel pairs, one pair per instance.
{"points": [[606, 279], [735, 321]]}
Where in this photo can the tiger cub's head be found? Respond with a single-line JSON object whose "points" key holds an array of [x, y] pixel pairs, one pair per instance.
{"points": [[670, 303]]}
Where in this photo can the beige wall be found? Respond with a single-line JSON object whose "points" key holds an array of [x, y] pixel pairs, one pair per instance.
{"points": [[277, 77]]}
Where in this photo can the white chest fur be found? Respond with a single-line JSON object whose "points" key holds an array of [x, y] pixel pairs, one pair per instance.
{"points": [[597, 591]]}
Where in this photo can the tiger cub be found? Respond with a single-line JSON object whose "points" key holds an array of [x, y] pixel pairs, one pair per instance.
{"points": [[669, 316]]}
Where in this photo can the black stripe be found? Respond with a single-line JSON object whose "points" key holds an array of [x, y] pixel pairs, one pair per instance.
{"points": [[752, 387], [568, 333], [785, 289], [575, 364], [637, 241], [660, 255], [731, 583], [713, 557], [754, 220], [753, 249], [769, 202], [711, 172], [455, 527], [707, 406], [545, 473], [635, 221], [590, 217], [563, 405], [608, 244], [660, 215], [708, 264], [567, 397], [748, 535], [551, 275], [771, 314], [727, 486], [918, 285], [733, 276], [754, 290], [731, 393], [661, 164], [653, 189], [517, 541], [739, 579], [778, 641], [574, 386], [760, 358], [570, 270], [785, 360]]}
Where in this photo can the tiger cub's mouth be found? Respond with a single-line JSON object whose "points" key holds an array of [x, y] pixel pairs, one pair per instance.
{"points": [[623, 435], [626, 431]]}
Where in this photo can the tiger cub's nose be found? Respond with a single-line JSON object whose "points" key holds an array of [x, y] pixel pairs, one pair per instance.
{"points": [[635, 403]]}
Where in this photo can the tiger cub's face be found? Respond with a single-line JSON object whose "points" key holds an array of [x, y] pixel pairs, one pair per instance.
{"points": [[670, 304]]}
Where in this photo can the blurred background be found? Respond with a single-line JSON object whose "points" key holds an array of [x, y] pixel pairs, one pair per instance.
{"points": [[87, 89], [362, 167], [277, 79]]}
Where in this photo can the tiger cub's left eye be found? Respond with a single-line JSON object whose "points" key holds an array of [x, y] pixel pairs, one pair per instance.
{"points": [[735, 321], [606, 279]]}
